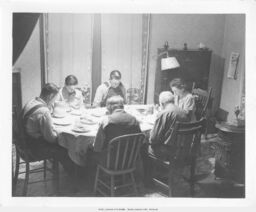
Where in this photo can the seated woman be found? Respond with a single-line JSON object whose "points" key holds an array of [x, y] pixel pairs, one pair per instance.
{"points": [[183, 98], [70, 94], [114, 87]]}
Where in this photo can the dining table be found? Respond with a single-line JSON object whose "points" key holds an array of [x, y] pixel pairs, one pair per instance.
{"points": [[77, 129]]}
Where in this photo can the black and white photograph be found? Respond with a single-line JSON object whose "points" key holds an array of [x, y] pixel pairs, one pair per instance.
{"points": [[134, 104]]}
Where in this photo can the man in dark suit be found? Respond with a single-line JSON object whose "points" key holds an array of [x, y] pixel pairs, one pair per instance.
{"points": [[117, 123], [161, 142]]}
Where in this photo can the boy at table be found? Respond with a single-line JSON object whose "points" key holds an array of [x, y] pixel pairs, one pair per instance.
{"points": [[113, 87], [70, 94], [36, 124], [117, 123], [160, 134]]}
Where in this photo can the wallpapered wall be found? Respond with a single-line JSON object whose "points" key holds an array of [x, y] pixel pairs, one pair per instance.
{"points": [[69, 47], [121, 47], [29, 63], [234, 41], [192, 29], [70, 39]]}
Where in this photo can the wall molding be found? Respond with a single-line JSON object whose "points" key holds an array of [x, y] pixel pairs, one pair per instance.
{"points": [[146, 27]]}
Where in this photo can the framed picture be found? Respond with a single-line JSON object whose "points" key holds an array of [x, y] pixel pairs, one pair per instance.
{"points": [[233, 62]]}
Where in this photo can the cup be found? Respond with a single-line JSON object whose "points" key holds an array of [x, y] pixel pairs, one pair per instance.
{"points": [[150, 109]]}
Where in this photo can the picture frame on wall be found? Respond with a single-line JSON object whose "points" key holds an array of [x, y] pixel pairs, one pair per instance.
{"points": [[233, 63]]}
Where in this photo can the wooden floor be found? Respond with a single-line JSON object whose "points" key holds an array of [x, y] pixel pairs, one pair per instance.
{"points": [[82, 186]]}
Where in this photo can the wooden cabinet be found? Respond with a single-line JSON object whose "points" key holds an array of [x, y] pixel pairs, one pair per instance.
{"points": [[194, 67]]}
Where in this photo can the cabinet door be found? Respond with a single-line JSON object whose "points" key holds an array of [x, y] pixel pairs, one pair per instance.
{"points": [[166, 78], [194, 66]]}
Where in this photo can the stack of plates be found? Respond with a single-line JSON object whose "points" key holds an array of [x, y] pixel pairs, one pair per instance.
{"points": [[98, 112], [58, 115], [76, 112], [88, 122]]}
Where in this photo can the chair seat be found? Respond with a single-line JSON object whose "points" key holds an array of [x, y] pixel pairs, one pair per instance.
{"points": [[31, 154], [114, 172], [164, 155], [118, 161]]}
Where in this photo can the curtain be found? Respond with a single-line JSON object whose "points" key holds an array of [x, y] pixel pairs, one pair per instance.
{"points": [[69, 48], [122, 50], [96, 54], [146, 27], [123, 47], [23, 25]]}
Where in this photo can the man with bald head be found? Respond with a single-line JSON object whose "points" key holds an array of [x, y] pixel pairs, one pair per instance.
{"points": [[165, 119], [160, 136], [116, 123]]}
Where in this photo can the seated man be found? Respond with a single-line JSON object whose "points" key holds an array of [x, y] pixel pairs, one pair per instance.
{"points": [[113, 87], [161, 133], [160, 136], [117, 123], [36, 125]]}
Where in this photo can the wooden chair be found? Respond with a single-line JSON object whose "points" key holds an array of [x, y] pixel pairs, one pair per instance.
{"points": [[86, 94], [133, 96], [185, 141], [118, 163], [202, 101], [24, 153]]}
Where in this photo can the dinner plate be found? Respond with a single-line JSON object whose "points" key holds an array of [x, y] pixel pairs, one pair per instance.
{"points": [[76, 113], [62, 122], [98, 112], [97, 115], [88, 122], [80, 130], [58, 116]]}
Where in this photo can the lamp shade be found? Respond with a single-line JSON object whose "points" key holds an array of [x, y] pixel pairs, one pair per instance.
{"points": [[169, 63]]}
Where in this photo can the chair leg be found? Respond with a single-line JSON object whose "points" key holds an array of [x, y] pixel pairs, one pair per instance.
{"points": [[173, 178], [123, 178], [17, 167], [112, 190], [170, 183], [56, 175], [205, 133], [25, 187], [45, 165], [149, 171], [199, 149], [134, 185], [192, 178], [206, 129], [96, 181]]}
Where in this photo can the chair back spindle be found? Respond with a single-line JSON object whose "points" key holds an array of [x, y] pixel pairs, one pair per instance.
{"points": [[123, 151], [202, 100], [184, 145], [187, 139]]}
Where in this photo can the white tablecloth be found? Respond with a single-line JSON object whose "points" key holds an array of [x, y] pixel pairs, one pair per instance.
{"points": [[77, 143]]}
